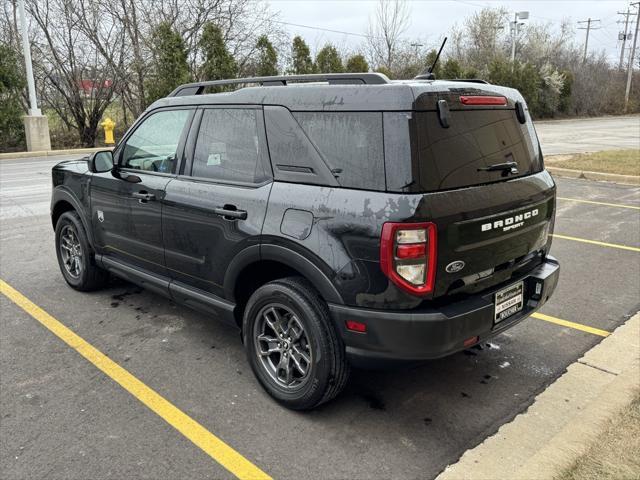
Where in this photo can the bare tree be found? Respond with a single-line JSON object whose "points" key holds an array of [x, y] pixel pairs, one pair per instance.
{"points": [[241, 21], [541, 43], [385, 30], [76, 84], [483, 36]]}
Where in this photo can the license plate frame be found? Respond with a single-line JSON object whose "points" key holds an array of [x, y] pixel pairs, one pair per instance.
{"points": [[507, 302]]}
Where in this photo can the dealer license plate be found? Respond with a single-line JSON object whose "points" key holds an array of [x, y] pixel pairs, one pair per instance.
{"points": [[508, 301]]}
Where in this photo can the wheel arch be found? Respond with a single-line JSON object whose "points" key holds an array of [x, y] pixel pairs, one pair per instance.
{"points": [[258, 265], [62, 202]]}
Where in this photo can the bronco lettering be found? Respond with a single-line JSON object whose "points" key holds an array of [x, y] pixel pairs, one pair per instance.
{"points": [[510, 223]]}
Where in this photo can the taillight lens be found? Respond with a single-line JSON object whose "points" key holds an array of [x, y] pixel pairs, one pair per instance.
{"points": [[408, 255], [482, 100]]}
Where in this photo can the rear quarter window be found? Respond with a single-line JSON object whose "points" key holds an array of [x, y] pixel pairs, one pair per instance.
{"points": [[351, 145]]}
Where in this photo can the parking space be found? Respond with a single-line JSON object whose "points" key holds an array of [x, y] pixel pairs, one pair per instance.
{"points": [[62, 417]]}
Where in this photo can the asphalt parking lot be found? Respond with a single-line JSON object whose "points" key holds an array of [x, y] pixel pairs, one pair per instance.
{"points": [[61, 417], [573, 135]]}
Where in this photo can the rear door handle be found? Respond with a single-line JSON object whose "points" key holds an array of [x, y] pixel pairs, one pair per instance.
{"points": [[143, 196], [231, 213]]}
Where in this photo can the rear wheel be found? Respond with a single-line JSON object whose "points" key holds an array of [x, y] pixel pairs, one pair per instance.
{"points": [[75, 255], [292, 346]]}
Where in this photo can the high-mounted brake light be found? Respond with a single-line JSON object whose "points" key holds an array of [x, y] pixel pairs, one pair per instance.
{"points": [[408, 255], [482, 100]]}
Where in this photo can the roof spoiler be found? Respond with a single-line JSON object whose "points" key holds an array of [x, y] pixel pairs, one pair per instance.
{"points": [[470, 80], [331, 78]]}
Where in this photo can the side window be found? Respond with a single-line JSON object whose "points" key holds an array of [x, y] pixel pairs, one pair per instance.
{"points": [[154, 143], [228, 146], [350, 143]]}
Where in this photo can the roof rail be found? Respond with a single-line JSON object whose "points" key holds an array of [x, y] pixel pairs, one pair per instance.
{"points": [[332, 78]]}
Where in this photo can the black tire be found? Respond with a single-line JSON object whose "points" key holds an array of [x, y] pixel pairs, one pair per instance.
{"points": [[88, 276], [328, 370]]}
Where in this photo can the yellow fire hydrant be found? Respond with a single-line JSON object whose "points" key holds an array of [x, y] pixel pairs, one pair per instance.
{"points": [[108, 126]]}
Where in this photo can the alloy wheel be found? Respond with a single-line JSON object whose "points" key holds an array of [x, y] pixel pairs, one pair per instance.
{"points": [[71, 251], [282, 346]]}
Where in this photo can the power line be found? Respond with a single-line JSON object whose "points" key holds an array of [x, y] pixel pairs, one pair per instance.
{"points": [[322, 29]]}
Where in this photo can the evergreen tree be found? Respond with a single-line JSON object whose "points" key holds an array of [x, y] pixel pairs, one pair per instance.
{"points": [[267, 58], [430, 58], [357, 64], [385, 71], [302, 63], [521, 76], [11, 84], [451, 69], [169, 66], [218, 64], [328, 60]]}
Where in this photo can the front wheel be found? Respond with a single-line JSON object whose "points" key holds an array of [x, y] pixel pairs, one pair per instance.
{"points": [[75, 255], [292, 346]]}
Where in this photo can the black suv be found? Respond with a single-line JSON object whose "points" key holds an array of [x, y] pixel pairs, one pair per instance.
{"points": [[336, 220]]}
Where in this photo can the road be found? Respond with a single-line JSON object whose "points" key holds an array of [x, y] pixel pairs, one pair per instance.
{"points": [[578, 135], [60, 417]]}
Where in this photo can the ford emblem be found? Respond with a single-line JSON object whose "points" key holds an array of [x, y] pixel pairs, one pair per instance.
{"points": [[454, 267]]}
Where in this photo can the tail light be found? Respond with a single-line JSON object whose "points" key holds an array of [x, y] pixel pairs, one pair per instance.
{"points": [[408, 255]]}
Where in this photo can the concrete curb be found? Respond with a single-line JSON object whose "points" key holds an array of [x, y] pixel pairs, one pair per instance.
{"points": [[51, 153], [599, 176], [565, 419]]}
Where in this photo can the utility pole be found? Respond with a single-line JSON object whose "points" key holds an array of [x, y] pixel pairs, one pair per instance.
{"points": [[416, 46], [624, 35], [588, 28], [631, 60]]}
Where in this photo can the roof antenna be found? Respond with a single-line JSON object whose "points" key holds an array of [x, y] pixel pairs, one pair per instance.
{"points": [[428, 73]]}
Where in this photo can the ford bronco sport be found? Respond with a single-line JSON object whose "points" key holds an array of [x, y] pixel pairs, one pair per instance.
{"points": [[336, 220]]}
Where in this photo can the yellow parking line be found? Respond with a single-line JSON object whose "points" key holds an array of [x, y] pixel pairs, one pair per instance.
{"points": [[619, 205], [566, 323], [594, 242], [200, 436]]}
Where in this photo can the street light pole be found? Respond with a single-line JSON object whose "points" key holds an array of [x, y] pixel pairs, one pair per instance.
{"points": [[26, 48], [514, 25], [36, 125], [514, 34]]}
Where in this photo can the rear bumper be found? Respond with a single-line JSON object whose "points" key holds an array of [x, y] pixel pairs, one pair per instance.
{"points": [[433, 333]]}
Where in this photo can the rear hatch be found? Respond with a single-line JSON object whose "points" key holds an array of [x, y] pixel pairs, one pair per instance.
{"points": [[476, 159]]}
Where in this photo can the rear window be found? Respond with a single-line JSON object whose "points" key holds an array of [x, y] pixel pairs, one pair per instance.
{"points": [[435, 158], [450, 157], [351, 145]]}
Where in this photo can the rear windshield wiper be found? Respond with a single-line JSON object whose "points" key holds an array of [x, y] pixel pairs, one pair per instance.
{"points": [[506, 168]]}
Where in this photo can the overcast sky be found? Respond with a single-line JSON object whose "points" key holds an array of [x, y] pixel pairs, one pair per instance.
{"points": [[432, 19]]}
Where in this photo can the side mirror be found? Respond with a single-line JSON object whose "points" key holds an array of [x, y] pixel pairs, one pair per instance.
{"points": [[101, 161]]}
